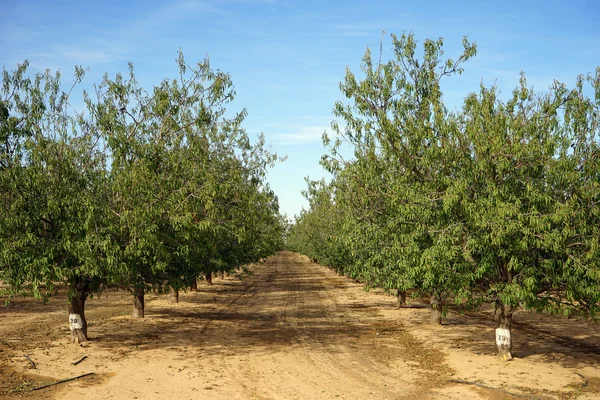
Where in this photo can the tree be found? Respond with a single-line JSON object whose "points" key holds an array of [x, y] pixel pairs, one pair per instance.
{"points": [[405, 150], [496, 202], [526, 171], [179, 173], [142, 190], [52, 191]]}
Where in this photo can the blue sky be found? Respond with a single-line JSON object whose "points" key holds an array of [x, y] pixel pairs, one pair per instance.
{"points": [[286, 58]]}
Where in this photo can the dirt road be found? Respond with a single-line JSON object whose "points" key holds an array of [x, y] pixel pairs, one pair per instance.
{"points": [[290, 330]]}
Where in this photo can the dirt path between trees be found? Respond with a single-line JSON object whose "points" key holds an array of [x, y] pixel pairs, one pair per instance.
{"points": [[290, 330]]}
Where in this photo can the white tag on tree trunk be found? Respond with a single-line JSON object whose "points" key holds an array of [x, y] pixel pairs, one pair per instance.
{"points": [[502, 337], [75, 321]]}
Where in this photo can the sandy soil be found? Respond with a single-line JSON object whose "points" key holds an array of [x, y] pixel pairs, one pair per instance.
{"points": [[291, 330]]}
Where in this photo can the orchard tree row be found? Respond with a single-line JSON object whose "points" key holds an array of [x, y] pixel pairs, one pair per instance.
{"points": [[138, 190], [494, 202]]}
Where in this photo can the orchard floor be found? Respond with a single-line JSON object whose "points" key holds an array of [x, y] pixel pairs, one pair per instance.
{"points": [[290, 330]]}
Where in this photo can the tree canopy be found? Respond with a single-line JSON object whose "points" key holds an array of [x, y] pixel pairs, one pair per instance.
{"points": [[141, 189], [494, 202]]}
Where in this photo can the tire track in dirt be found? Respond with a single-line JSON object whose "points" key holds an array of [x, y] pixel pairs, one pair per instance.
{"points": [[321, 346], [289, 330], [355, 366]]}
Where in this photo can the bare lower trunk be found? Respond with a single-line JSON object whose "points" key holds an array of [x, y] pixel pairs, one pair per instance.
{"points": [[222, 274], [77, 321], [138, 303], [194, 285], [209, 278], [504, 315], [401, 298], [174, 295], [436, 309]]}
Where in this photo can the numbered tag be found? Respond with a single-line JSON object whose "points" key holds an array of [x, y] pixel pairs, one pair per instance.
{"points": [[75, 321], [502, 337]]}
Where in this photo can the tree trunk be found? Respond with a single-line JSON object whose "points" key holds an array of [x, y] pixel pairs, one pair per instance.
{"points": [[174, 295], [436, 309], [401, 298], [138, 303], [194, 285], [222, 274], [504, 315], [209, 278], [77, 322]]}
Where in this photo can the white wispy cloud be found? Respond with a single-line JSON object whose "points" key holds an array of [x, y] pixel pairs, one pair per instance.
{"points": [[173, 12], [104, 44], [538, 81], [301, 135], [65, 56], [358, 30], [370, 29], [85, 57], [502, 72]]}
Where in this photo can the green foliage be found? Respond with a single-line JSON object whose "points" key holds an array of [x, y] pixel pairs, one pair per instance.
{"points": [[51, 188], [318, 233], [495, 202], [143, 189]]}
